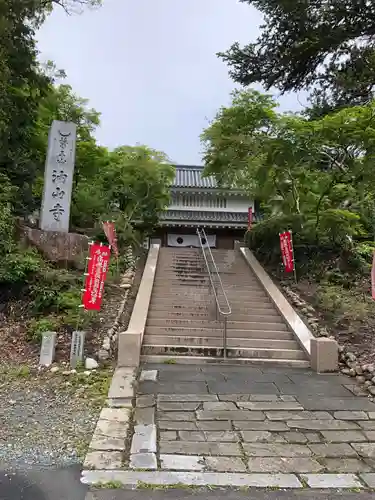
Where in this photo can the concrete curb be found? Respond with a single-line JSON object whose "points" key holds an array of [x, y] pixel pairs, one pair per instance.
{"points": [[109, 439], [323, 353], [130, 341], [134, 479], [298, 327]]}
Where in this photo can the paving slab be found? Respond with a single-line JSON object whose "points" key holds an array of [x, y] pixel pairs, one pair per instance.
{"points": [[143, 461], [146, 401], [115, 414], [298, 415], [265, 425], [322, 425], [284, 465], [367, 424], [172, 387], [182, 425], [214, 436], [370, 435], [262, 437], [165, 478], [333, 450], [332, 481], [295, 437], [224, 464], [242, 387], [220, 425], [369, 479], [230, 415], [313, 390], [103, 460], [345, 465], [177, 416], [144, 439], [365, 449], [344, 436], [220, 405], [214, 425], [111, 429], [148, 375], [144, 416], [187, 397], [168, 435], [336, 404], [270, 405], [107, 443], [181, 462], [350, 415], [191, 448], [183, 406], [276, 450]]}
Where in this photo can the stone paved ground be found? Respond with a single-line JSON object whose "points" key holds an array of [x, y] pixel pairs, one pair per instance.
{"points": [[240, 425]]}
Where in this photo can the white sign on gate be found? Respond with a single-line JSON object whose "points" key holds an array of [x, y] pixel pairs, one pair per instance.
{"points": [[190, 240], [58, 177]]}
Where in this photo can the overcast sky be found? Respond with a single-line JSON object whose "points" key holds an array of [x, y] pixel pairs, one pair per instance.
{"points": [[149, 66]]}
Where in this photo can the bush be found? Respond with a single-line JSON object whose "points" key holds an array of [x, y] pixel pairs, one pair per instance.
{"points": [[324, 249], [53, 290], [37, 327], [20, 265]]}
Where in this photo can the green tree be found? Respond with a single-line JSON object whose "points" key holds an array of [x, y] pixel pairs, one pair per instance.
{"points": [[318, 172], [324, 45], [137, 183], [23, 86]]}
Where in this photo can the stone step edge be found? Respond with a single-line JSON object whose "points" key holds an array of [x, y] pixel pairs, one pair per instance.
{"points": [[219, 338], [187, 360], [182, 330], [229, 348], [139, 479]]}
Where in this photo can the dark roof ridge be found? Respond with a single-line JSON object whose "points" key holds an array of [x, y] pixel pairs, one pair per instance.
{"points": [[189, 167]]}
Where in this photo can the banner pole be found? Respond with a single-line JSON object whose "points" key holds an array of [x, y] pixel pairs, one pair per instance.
{"points": [[88, 258], [294, 261]]}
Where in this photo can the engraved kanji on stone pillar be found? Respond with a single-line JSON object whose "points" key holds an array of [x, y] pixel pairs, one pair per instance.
{"points": [[58, 177]]}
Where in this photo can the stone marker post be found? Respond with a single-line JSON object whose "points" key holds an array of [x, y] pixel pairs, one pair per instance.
{"points": [[58, 177], [76, 349], [47, 350]]}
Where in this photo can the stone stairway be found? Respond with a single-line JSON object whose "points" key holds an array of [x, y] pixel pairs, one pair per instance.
{"points": [[182, 314]]}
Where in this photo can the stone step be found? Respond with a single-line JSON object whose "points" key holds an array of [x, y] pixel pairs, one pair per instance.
{"points": [[217, 332], [162, 340], [161, 283], [190, 350], [231, 325], [194, 360], [190, 307], [204, 294], [206, 300], [240, 279], [205, 314], [184, 284]]}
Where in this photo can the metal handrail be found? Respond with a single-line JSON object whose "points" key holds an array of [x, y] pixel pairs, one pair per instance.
{"points": [[202, 234]]}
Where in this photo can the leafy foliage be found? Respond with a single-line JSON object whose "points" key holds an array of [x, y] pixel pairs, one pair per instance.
{"points": [[128, 185], [327, 45], [312, 176]]}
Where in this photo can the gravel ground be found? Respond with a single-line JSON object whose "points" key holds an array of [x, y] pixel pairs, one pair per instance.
{"points": [[47, 419]]}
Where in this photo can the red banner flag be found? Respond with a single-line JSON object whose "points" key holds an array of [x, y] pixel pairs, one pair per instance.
{"points": [[286, 246], [110, 233], [96, 275], [249, 218], [373, 277]]}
